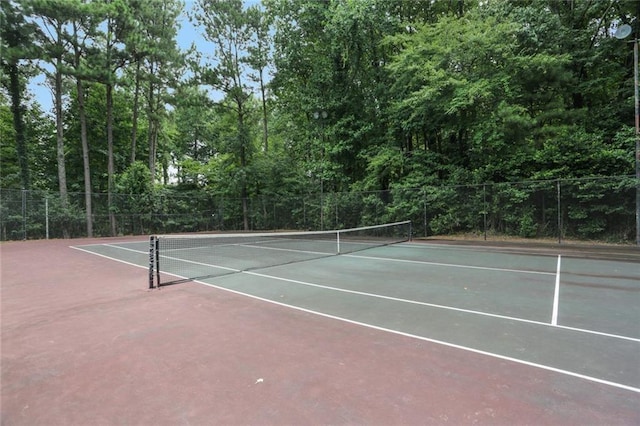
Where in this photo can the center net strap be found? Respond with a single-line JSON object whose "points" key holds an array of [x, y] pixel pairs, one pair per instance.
{"points": [[177, 258]]}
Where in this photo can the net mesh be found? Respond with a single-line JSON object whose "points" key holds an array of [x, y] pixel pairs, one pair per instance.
{"points": [[177, 258]]}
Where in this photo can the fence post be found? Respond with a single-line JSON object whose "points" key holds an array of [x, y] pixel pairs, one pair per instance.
{"points": [[46, 216], [335, 197], [24, 214], [322, 211], [221, 213], [559, 213], [484, 212], [424, 203]]}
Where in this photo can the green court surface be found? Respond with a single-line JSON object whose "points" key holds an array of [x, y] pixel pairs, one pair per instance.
{"points": [[568, 314]]}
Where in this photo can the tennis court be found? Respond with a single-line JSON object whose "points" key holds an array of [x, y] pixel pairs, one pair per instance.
{"points": [[408, 332]]}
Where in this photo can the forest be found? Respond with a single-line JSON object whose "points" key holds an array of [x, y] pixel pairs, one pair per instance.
{"points": [[494, 116]]}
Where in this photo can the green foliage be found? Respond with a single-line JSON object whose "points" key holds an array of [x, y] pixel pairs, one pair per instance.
{"points": [[137, 195], [40, 156], [301, 104], [9, 166], [135, 181], [17, 37], [97, 137]]}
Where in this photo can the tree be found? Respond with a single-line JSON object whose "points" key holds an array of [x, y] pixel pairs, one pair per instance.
{"points": [[226, 26], [195, 121], [302, 86], [17, 38], [154, 66], [94, 105], [53, 17], [137, 193], [137, 51], [39, 131], [117, 16], [163, 66], [10, 176], [84, 31], [259, 49]]}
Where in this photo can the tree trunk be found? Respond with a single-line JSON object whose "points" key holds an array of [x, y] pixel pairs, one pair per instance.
{"points": [[62, 173], [110, 166], [77, 56], [85, 159], [265, 132], [243, 165], [134, 130], [152, 134]]}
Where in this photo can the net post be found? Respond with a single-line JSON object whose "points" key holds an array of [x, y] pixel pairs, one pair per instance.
{"points": [[338, 241], [152, 257], [410, 236]]}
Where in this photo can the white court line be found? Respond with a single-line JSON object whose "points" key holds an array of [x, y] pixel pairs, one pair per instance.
{"points": [[450, 265], [396, 299], [79, 248], [556, 295], [126, 248], [415, 302], [286, 249], [146, 241], [397, 332], [433, 305], [427, 339], [516, 251]]}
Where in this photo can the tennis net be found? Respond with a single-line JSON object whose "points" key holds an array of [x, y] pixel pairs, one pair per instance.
{"points": [[178, 258]]}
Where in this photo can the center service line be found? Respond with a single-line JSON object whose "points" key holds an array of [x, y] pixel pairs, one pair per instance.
{"points": [[556, 295]]}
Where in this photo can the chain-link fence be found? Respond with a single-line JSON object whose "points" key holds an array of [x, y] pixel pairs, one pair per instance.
{"points": [[600, 209]]}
